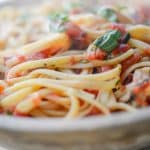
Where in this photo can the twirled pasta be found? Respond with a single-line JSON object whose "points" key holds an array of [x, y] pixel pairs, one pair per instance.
{"points": [[90, 67]]}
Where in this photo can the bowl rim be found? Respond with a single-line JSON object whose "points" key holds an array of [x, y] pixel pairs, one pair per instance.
{"points": [[18, 124], [57, 125]]}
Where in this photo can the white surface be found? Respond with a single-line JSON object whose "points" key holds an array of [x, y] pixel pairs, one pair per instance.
{"points": [[1, 1], [1, 148]]}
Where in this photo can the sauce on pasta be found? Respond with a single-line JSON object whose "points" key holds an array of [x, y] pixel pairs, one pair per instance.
{"points": [[72, 63]]}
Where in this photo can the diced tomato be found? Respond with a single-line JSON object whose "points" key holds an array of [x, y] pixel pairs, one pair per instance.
{"points": [[14, 60], [1, 89], [106, 68], [73, 30], [21, 58], [1, 110], [19, 114], [72, 60], [91, 56], [122, 88], [141, 102], [98, 54], [43, 54], [91, 91], [148, 100], [18, 74], [81, 103], [136, 90], [118, 26], [141, 87], [94, 111], [147, 52], [12, 75], [53, 96], [46, 53], [11, 109], [141, 97], [121, 49], [130, 61], [39, 55], [78, 36]]}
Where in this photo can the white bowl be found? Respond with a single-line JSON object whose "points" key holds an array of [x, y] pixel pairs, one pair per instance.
{"points": [[115, 132]]}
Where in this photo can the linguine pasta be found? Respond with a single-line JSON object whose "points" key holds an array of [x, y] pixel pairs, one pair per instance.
{"points": [[72, 63]]}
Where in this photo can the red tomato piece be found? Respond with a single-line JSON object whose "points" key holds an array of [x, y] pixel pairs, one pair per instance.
{"points": [[147, 52], [91, 91], [72, 60], [78, 36], [94, 111], [19, 114], [118, 26], [130, 61], [1, 89], [121, 49], [98, 54]]}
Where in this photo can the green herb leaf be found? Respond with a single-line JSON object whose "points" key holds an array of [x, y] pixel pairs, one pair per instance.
{"points": [[108, 42], [117, 82], [63, 16], [108, 13], [57, 21]]}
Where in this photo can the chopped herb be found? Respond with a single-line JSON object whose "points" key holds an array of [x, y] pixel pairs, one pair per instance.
{"points": [[57, 21], [118, 81], [63, 16], [108, 42], [108, 13], [126, 38]]}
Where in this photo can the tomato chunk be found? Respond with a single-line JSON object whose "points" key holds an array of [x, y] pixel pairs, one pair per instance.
{"points": [[130, 61], [118, 26], [98, 54], [121, 49], [78, 36]]}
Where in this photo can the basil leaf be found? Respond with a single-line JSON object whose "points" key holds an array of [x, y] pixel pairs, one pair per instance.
{"points": [[63, 16], [57, 21], [108, 13], [108, 42]]}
